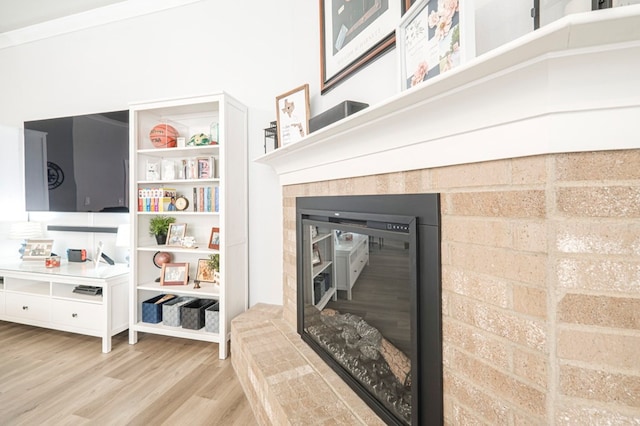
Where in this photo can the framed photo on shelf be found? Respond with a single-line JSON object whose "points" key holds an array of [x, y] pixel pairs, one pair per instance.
{"points": [[174, 274], [214, 239], [315, 257], [205, 169], [204, 273], [353, 34], [37, 249], [175, 234], [433, 38], [292, 113]]}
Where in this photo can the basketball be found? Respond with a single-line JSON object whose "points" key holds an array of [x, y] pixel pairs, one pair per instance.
{"points": [[163, 136]]}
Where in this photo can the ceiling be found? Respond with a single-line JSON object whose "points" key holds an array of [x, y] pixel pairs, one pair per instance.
{"points": [[15, 14]]}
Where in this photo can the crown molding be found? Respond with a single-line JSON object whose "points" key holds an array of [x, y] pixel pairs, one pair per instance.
{"points": [[91, 18]]}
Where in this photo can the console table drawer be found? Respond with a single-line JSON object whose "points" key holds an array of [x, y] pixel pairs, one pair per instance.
{"points": [[27, 307], [86, 316]]}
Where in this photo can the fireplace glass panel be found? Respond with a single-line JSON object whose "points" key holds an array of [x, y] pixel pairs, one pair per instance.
{"points": [[357, 306]]}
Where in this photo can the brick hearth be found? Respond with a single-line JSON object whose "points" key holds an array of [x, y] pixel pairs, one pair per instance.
{"points": [[284, 380]]}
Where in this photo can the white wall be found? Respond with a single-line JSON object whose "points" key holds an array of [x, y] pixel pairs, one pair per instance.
{"points": [[203, 47]]}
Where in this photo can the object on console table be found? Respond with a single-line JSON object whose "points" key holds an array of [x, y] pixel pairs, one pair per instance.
{"points": [[338, 112]]}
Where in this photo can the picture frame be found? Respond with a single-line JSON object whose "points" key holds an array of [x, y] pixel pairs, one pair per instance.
{"points": [[98, 256], [433, 41], [292, 115], [316, 259], [204, 273], [214, 239], [175, 234], [352, 37], [205, 168], [174, 274], [37, 249]]}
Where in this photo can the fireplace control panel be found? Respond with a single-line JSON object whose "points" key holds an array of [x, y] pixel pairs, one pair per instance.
{"points": [[397, 227]]}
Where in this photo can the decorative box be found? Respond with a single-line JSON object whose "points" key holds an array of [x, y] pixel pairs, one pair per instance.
{"points": [[212, 318], [193, 313], [338, 112], [172, 310], [152, 312]]}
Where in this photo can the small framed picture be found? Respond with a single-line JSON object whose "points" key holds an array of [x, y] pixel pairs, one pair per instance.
{"points": [[152, 170], [174, 274], [205, 273], [214, 239], [37, 249], [433, 37], [315, 257], [175, 234], [292, 112], [205, 171], [168, 169]]}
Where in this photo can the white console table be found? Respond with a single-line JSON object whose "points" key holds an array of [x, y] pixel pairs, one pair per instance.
{"points": [[34, 295], [351, 258]]}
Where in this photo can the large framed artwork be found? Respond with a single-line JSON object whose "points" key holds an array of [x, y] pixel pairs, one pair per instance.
{"points": [[353, 33], [434, 36]]}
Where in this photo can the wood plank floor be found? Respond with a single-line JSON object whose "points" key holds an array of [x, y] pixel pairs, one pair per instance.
{"points": [[56, 378]]}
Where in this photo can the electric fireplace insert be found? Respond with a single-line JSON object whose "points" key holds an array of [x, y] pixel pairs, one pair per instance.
{"points": [[369, 298]]}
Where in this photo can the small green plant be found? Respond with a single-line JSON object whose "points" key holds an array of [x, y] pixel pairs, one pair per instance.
{"points": [[214, 262], [159, 225]]}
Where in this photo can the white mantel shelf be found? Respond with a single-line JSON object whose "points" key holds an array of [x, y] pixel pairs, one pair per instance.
{"points": [[571, 86]]}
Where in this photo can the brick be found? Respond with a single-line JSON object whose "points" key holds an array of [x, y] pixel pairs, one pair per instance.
{"points": [[572, 414], [520, 419], [492, 409], [599, 348], [523, 267], [480, 287], [530, 236], [514, 204], [531, 366], [600, 385], [417, 181], [596, 201], [476, 174], [527, 398], [598, 274], [602, 311], [473, 341], [601, 166], [530, 301], [596, 238], [530, 333], [529, 170], [486, 232]]}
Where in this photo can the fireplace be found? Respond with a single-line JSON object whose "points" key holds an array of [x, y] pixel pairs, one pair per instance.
{"points": [[369, 298]]}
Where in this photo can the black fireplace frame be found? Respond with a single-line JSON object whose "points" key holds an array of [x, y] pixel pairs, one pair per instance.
{"points": [[426, 312]]}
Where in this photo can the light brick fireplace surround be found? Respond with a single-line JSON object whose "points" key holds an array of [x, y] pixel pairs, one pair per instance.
{"points": [[534, 149]]}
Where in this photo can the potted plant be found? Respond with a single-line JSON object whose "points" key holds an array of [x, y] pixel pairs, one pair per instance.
{"points": [[159, 226], [214, 264]]}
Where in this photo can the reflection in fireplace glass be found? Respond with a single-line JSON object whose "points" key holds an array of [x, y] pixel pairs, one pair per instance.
{"points": [[357, 308]]}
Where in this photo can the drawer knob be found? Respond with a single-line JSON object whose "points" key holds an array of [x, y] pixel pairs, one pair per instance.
{"points": [[25, 308], [74, 315]]}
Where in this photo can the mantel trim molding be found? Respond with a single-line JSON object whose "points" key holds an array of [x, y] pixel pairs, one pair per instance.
{"points": [[543, 93]]}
